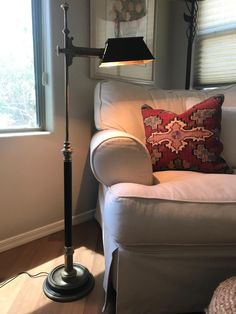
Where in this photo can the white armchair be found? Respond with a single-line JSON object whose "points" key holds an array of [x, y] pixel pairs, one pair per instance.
{"points": [[169, 236]]}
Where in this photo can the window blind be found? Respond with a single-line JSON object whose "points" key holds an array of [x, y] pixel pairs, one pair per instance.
{"points": [[215, 50]]}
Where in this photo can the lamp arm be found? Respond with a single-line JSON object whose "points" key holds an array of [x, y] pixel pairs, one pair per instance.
{"points": [[72, 51]]}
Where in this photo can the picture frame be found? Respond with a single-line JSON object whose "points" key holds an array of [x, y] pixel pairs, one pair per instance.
{"points": [[123, 18]]}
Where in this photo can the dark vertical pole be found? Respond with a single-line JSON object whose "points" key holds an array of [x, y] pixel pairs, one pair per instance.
{"points": [[67, 152], [69, 281], [191, 19], [68, 202], [188, 63]]}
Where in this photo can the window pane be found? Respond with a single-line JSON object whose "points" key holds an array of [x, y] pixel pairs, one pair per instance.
{"points": [[216, 15], [17, 81], [215, 49], [216, 60]]}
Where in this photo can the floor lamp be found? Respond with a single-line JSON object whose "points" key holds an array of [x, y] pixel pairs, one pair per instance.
{"points": [[191, 19], [71, 281]]}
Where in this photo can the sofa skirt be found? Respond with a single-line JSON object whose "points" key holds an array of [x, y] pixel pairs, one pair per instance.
{"points": [[158, 280]]}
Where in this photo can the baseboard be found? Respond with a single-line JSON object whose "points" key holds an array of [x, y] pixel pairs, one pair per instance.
{"points": [[38, 233]]}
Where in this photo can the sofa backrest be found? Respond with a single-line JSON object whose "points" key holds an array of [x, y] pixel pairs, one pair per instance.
{"points": [[118, 106]]}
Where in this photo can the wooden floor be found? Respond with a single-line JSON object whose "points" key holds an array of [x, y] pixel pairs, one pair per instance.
{"points": [[24, 295]]}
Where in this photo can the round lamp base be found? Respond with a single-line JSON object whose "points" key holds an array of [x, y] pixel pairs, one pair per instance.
{"points": [[61, 289]]}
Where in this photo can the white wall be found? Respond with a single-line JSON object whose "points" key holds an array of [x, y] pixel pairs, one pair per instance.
{"points": [[171, 44], [178, 47], [31, 167], [162, 62]]}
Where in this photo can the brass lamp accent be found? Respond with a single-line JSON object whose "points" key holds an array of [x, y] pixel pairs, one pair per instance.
{"points": [[71, 281]]}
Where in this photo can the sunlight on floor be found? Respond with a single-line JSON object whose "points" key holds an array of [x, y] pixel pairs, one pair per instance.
{"points": [[24, 288], [24, 295]]}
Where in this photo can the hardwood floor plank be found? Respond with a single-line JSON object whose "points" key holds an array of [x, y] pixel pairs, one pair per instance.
{"points": [[94, 302], [25, 295]]}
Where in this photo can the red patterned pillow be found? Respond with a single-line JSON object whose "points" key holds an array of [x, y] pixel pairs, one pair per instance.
{"points": [[188, 141]]}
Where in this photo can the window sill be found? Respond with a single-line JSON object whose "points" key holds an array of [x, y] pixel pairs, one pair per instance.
{"points": [[20, 134]]}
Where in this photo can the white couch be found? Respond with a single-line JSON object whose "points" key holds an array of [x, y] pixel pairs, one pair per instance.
{"points": [[169, 236]]}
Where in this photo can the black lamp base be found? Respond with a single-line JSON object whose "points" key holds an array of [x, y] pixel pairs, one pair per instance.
{"points": [[60, 289]]}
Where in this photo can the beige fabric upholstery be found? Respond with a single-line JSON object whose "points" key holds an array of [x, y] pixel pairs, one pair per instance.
{"points": [[173, 280], [118, 104], [228, 118], [116, 155], [169, 237], [173, 209], [227, 135]]}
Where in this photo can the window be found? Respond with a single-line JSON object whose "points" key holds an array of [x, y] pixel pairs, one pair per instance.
{"points": [[215, 53], [21, 63]]}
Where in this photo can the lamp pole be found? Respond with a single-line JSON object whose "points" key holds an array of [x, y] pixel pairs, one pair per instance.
{"points": [[69, 270], [69, 281]]}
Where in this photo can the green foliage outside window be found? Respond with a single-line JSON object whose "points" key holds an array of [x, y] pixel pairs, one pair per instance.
{"points": [[18, 103]]}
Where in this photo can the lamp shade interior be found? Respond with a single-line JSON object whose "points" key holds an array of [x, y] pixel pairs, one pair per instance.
{"points": [[125, 51]]}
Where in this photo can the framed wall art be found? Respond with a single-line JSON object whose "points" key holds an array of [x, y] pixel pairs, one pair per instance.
{"points": [[123, 18]]}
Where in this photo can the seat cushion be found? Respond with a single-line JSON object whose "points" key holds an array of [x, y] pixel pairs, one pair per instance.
{"points": [[182, 208]]}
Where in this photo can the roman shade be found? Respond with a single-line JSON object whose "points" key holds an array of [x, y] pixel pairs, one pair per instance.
{"points": [[215, 53]]}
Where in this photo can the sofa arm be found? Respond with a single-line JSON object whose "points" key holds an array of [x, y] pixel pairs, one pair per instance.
{"points": [[116, 156]]}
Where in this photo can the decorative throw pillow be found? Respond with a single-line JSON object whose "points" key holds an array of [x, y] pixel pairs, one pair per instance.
{"points": [[187, 141]]}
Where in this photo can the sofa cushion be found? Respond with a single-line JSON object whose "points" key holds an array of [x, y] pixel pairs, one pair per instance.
{"points": [[228, 135], [117, 106], [228, 119], [184, 207], [188, 141]]}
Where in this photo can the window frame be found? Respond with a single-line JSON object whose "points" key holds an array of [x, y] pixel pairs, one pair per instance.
{"points": [[38, 55], [38, 49]]}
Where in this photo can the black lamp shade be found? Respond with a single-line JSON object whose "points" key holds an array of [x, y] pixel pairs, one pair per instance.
{"points": [[125, 51]]}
